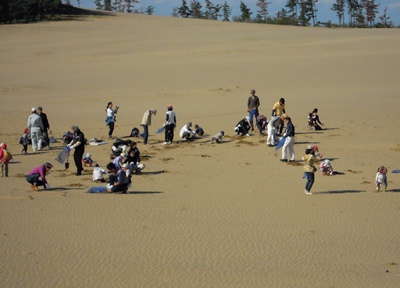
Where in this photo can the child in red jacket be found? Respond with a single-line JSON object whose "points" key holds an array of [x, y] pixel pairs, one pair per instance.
{"points": [[5, 157]]}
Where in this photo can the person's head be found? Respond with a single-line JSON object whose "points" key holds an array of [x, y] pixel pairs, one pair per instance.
{"points": [[124, 167], [310, 150], [288, 120], [133, 144], [315, 111], [253, 92], [222, 132], [109, 104], [96, 165], [153, 111], [33, 110], [39, 110], [327, 163], [111, 167], [247, 119], [88, 155], [283, 116], [196, 126], [3, 146], [26, 130], [282, 100], [75, 128], [170, 108], [48, 166], [122, 155], [189, 124], [129, 142], [316, 149]]}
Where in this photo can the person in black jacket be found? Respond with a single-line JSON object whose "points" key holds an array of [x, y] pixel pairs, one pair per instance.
{"points": [[46, 127], [289, 142], [78, 143], [243, 127]]}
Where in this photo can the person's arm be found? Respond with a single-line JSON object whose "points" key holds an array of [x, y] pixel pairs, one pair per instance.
{"points": [[42, 173]]}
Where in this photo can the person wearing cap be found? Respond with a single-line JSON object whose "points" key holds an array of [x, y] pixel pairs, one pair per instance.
{"points": [[186, 132], [289, 142], [326, 168], [253, 102], [243, 126], [24, 141], [110, 120], [78, 143], [278, 110], [87, 159], [316, 152], [35, 125], [5, 157], [146, 122], [39, 172], [273, 125], [309, 168], [170, 124], [217, 137], [122, 180], [46, 127], [119, 160], [98, 173]]}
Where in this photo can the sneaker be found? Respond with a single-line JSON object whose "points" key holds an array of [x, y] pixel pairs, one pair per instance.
{"points": [[247, 135], [292, 160], [169, 143], [308, 192], [33, 187], [165, 143], [283, 160]]}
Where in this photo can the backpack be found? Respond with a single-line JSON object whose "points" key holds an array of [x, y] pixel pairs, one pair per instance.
{"points": [[7, 155], [21, 140]]}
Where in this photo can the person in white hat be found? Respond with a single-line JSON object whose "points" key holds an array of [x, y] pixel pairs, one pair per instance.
{"points": [[35, 125], [326, 168]]}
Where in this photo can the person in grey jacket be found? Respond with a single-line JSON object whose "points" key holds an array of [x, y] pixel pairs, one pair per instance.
{"points": [[35, 125], [273, 125]]}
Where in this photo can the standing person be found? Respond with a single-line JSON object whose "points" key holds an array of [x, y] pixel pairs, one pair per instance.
{"points": [[46, 127], [170, 123], [146, 122], [110, 120], [252, 107], [309, 169], [289, 143], [273, 125], [39, 172], [35, 125], [279, 110], [78, 143], [24, 141], [5, 157]]}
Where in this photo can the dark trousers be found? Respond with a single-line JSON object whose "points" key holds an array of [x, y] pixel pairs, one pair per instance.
{"points": [[145, 134], [169, 132], [24, 148], [310, 181], [111, 128], [34, 180], [46, 140], [78, 155], [281, 125]]}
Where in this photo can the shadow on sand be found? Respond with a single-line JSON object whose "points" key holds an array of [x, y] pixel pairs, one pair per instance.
{"points": [[341, 191]]}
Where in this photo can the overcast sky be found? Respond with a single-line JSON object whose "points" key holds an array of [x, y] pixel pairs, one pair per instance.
{"points": [[324, 14]]}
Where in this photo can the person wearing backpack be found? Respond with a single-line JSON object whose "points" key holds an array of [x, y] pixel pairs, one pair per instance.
{"points": [[5, 157], [24, 141]]}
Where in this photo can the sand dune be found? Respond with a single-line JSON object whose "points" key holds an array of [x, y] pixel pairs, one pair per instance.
{"points": [[201, 214]]}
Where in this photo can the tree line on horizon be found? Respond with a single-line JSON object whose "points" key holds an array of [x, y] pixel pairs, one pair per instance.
{"points": [[360, 13]]}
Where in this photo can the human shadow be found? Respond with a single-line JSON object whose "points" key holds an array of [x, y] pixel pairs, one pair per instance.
{"points": [[65, 188], [310, 132], [309, 143], [145, 192], [330, 128], [151, 173], [393, 190], [341, 191]]}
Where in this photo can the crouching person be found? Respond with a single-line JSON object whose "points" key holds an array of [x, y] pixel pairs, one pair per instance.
{"points": [[186, 132], [118, 180], [39, 172], [98, 173], [218, 137]]}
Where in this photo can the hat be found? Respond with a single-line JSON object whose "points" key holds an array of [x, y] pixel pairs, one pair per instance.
{"points": [[282, 100], [327, 163], [96, 165], [40, 108], [284, 116], [88, 155], [122, 155], [153, 111], [33, 109], [26, 130], [309, 147], [248, 118], [125, 165], [316, 148], [169, 107], [3, 145], [189, 124]]}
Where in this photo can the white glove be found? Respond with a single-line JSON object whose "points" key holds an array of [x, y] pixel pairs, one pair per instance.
{"points": [[47, 186], [71, 147]]}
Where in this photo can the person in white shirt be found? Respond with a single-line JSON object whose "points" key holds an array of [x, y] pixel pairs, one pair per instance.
{"points": [[186, 132], [110, 120], [98, 174], [170, 123]]}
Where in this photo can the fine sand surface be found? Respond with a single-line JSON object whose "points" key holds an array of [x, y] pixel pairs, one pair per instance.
{"points": [[201, 214]]}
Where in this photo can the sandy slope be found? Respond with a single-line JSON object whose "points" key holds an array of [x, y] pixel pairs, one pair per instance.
{"points": [[202, 215]]}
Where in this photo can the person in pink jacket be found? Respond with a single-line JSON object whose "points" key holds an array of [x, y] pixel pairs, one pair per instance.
{"points": [[39, 172]]}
